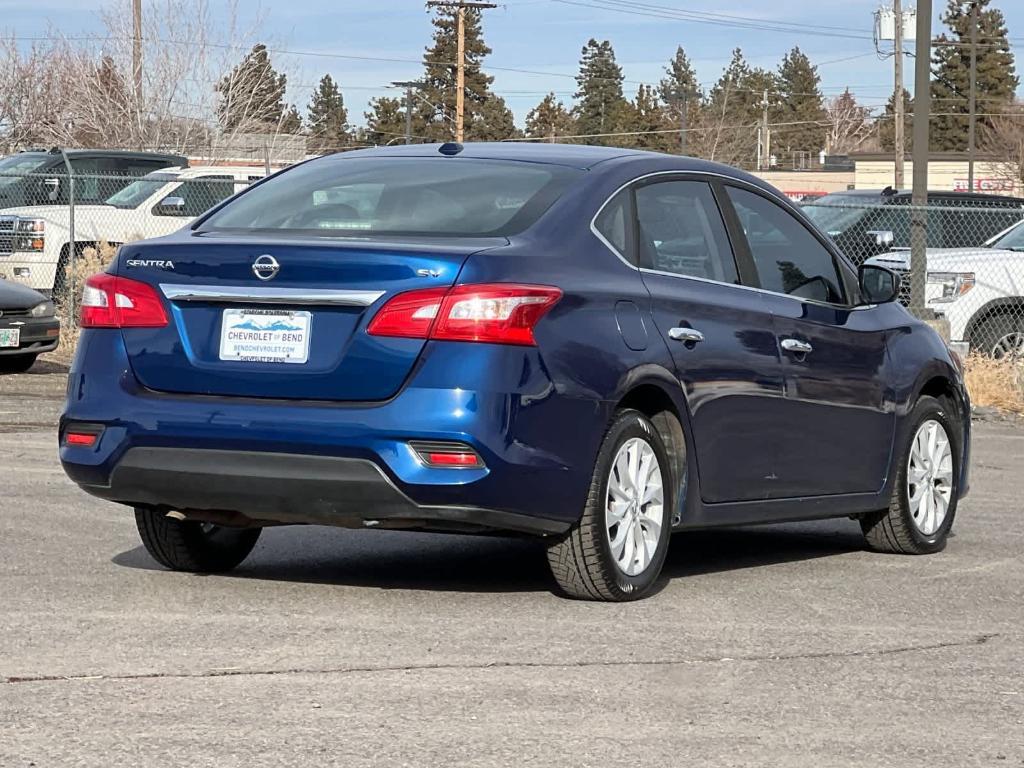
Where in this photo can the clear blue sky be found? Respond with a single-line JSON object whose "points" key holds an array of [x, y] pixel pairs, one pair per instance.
{"points": [[541, 35]]}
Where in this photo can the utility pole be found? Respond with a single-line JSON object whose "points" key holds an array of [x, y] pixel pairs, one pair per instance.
{"points": [[764, 143], [922, 110], [460, 56], [972, 98], [408, 85], [137, 51], [898, 128]]}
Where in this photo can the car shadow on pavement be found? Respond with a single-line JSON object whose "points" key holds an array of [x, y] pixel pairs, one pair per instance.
{"points": [[445, 562], [43, 366]]}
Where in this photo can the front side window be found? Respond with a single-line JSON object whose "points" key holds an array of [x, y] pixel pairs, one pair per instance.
{"points": [[787, 257], [397, 196], [681, 231]]}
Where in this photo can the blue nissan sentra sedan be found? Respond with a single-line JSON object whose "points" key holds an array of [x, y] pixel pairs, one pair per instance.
{"points": [[595, 346]]}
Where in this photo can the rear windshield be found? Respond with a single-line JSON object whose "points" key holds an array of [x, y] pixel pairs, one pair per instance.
{"points": [[360, 197], [15, 167]]}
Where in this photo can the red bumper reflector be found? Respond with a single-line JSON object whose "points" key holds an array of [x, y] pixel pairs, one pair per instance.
{"points": [[453, 459], [81, 438]]}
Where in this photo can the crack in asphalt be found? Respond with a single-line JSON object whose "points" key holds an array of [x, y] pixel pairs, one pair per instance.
{"points": [[213, 673]]}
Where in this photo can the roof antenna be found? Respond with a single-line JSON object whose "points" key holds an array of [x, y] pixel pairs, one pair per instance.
{"points": [[450, 148]]}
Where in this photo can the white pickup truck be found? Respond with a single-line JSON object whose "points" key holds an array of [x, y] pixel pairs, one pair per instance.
{"points": [[979, 290], [35, 240]]}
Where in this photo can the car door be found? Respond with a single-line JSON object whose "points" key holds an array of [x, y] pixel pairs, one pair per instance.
{"points": [[719, 334], [838, 412]]}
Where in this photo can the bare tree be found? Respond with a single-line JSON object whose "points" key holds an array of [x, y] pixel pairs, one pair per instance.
{"points": [[1003, 137], [81, 93], [849, 124]]}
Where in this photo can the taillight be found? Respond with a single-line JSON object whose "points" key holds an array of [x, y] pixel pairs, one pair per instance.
{"points": [[117, 302], [497, 313]]}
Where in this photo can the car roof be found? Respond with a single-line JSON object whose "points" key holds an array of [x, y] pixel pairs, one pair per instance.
{"points": [[584, 157], [573, 155], [125, 153]]}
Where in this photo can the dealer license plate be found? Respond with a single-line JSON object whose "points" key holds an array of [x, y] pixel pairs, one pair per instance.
{"points": [[10, 337], [264, 336]]}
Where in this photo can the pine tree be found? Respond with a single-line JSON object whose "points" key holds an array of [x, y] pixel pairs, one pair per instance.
{"points": [[601, 106], [252, 94], [291, 121], [492, 121], [328, 118], [996, 75], [887, 124], [679, 85], [801, 105], [648, 119], [385, 122], [549, 119], [732, 112], [440, 74]]}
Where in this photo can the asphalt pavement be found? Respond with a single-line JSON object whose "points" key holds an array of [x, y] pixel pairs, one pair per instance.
{"points": [[782, 645]]}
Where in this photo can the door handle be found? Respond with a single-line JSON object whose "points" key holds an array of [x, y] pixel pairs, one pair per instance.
{"points": [[796, 346], [691, 335]]}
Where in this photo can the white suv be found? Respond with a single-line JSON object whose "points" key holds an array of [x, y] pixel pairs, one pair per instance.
{"points": [[34, 240], [979, 290]]}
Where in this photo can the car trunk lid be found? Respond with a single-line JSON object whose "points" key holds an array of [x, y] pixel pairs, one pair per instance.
{"points": [[238, 326]]}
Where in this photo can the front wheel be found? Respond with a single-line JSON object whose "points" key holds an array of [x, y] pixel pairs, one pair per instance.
{"points": [[923, 504], [616, 550], [189, 545]]}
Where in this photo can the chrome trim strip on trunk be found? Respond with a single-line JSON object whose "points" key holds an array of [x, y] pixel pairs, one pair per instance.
{"points": [[267, 295]]}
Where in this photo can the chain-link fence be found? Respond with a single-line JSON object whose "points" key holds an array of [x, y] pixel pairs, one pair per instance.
{"points": [[56, 227], [971, 247]]}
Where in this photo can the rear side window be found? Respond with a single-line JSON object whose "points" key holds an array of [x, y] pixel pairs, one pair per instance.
{"points": [[681, 231], [611, 223], [443, 196], [788, 258]]}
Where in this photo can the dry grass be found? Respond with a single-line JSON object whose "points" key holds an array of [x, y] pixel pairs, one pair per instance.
{"points": [[995, 383], [91, 261]]}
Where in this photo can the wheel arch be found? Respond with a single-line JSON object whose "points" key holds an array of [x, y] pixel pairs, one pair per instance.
{"points": [[653, 397], [1007, 305]]}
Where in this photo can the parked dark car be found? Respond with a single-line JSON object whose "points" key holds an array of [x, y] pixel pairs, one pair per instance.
{"points": [[28, 327], [866, 223], [40, 177], [595, 346]]}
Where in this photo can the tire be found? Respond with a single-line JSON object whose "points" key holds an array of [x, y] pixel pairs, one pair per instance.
{"points": [[999, 336], [187, 545], [16, 363], [902, 528], [582, 560]]}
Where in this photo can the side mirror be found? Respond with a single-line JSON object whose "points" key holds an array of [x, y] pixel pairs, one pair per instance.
{"points": [[51, 189], [170, 206], [882, 238], [878, 285]]}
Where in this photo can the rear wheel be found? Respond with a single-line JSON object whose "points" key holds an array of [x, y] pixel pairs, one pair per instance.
{"points": [[616, 550], [16, 363], [188, 545], [923, 504]]}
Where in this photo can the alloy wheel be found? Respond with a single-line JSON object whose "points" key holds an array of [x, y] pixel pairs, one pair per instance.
{"points": [[634, 507], [930, 477], [1009, 346]]}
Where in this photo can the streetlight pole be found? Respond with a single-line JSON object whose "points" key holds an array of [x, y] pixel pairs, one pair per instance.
{"points": [[898, 106]]}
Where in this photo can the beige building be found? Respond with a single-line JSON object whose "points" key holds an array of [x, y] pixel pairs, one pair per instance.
{"points": [[946, 172]]}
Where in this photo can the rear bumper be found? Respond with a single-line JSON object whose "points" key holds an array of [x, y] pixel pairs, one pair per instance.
{"points": [[343, 463], [289, 488]]}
